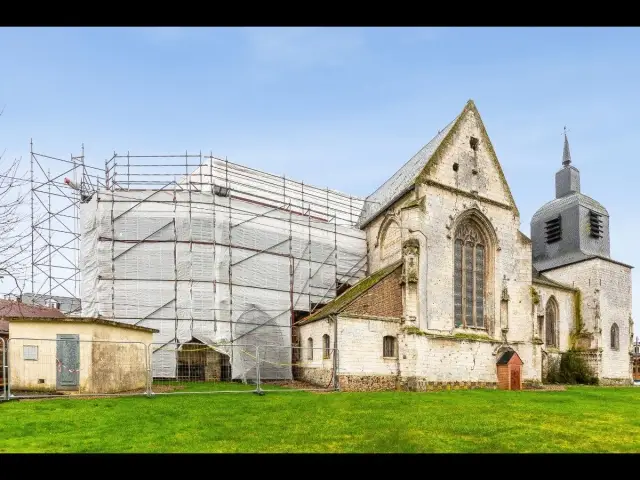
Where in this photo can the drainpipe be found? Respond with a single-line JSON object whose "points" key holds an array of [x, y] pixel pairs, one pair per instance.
{"points": [[336, 385]]}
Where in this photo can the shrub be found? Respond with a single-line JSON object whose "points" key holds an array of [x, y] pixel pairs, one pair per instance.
{"points": [[571, 368]]}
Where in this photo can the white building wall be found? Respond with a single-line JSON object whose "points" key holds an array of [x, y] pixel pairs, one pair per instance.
{"points": [[606, 298]]}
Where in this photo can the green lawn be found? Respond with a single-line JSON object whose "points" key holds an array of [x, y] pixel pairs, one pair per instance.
{"points": [[581, 419]]}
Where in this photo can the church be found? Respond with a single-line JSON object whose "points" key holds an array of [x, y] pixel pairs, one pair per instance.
{"points": [[454, 289]]}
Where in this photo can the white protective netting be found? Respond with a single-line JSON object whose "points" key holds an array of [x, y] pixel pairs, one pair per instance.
{"points": [[168, 259]]}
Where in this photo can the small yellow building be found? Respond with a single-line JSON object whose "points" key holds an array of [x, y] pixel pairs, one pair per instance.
{"points": [[77, 355]]}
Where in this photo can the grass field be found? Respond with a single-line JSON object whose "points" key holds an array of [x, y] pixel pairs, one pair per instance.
{"points": [[581, 419]]}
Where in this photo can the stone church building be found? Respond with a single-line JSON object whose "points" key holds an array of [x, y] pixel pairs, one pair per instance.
{"points": [[454, 285]]}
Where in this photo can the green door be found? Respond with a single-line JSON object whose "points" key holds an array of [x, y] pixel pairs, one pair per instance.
{"points": [[68, 362]]}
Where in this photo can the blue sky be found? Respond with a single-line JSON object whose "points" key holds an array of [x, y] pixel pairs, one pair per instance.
{"points": [[336, 107]]}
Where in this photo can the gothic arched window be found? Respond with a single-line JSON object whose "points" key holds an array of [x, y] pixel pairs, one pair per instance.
{"points": [[390, 240], [615, 337], [551, 322], [469, 278]]}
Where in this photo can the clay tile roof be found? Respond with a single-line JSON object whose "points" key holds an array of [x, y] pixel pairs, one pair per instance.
{"points": [[13, 309]]}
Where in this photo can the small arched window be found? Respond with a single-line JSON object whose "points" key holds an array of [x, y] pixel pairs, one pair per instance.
{"points": [[310, 349], [551, 323], [389, 345], [615, 337], [326, 346]]}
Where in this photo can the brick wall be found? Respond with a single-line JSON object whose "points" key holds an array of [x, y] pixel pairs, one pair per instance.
{"points": [[383, 299], [503, 377]]}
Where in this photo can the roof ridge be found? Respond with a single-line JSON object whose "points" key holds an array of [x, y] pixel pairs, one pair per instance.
{"points": [[413, 156], [373, 278]]}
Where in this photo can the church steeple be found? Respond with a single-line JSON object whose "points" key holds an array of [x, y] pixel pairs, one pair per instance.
{"points": [[568, 178], [572, 227]]}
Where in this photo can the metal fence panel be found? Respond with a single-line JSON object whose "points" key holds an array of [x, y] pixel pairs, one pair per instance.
{"points": [[72, 366], [297, 368], [4, 371], [194, 367]]}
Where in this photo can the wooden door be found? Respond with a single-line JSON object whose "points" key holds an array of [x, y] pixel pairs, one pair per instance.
{"points": [[515, 378], [68, 362]]}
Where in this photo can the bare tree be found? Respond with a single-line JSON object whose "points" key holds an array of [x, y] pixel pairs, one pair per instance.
{"points": [[15, 231]]}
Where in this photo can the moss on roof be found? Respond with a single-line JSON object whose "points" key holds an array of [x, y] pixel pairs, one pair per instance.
{"points": [[340, 303]]}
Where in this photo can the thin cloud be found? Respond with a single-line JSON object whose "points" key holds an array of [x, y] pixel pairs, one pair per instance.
{"points": [[304, 47], [166, 35]]}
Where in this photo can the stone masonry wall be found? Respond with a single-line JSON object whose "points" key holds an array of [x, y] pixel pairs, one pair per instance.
{"points": [[566, 313], [455, 360], [315, 330], [360, 346], [606, 298], [319, 377], [451, 193]]}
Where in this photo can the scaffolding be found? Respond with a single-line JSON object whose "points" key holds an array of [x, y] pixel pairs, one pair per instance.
{"points": [[55, 234], [202, 248]]}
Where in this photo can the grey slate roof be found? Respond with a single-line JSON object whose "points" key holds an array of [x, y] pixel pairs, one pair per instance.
{"points": [[558, 205], [540, 279], [507, 356], [402, 180], [572, 258]]}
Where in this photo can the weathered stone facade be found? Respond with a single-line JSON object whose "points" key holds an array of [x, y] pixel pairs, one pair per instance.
{"points": [[457, 222], [605, 288]]}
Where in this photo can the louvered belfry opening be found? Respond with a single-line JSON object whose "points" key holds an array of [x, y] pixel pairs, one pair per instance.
{"points": [[553, 230]]}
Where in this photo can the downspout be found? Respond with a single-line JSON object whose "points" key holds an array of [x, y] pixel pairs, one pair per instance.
{"points": [[336, 384]]}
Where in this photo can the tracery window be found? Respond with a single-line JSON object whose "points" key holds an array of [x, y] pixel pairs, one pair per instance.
{"points": [[469, 276]]}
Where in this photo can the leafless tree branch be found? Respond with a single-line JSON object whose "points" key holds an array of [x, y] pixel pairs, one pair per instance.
{"points": [[15, 234]]}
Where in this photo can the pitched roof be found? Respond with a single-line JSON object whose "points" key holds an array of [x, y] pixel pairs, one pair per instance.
{"points": [[341, 302], [404, 179], [96, 320], [540, 279], [506, 357], [401, 181], [13, 309]]}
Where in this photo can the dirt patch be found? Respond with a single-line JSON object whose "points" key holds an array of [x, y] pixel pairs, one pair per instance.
{"points": [[545, 388], [31, 396], [297, 385]]}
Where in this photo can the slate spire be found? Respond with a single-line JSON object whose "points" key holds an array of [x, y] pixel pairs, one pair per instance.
{"points": [[566, 154]]}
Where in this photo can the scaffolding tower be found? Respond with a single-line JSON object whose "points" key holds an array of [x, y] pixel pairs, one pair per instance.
{"points": [[57, 187], [203, 248]]}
